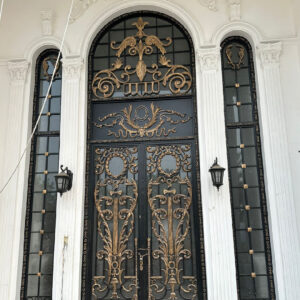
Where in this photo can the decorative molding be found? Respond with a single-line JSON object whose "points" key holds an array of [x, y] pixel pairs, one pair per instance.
{"points": [[72, 67], [80, 6], [283, 221], [221, 274], [270, 53], [209, 58], [12, 199], [46, 19], [18, 70], [65, 276], [210, 4], [234, 10]]}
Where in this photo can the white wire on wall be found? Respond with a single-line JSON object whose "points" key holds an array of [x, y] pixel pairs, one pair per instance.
{"points": [[1, 9], [45, 100]]}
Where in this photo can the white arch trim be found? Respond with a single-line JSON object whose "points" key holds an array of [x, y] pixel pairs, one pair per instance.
{"points": [[247, 30], [37, 46], [117, 9]]}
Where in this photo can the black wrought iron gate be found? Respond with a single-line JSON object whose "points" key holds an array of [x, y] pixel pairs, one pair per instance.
{"points": [[143, 236]]}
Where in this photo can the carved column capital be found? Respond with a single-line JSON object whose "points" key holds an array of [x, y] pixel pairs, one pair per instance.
{"points": [[209, 58], [269, 53], [18, 70], [72, 67]]}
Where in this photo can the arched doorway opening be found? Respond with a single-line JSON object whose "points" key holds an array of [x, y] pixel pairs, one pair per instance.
{"points": [[143, 221]]}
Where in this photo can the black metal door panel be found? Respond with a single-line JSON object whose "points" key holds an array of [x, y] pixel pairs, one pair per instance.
{"points": [[143, 222]]}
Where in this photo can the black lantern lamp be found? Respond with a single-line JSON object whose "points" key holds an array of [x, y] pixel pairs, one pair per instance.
{"points": [[64, 180], [217, 174]]}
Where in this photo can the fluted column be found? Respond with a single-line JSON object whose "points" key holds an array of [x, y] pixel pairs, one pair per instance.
{"points": [[282, 218], [68, 240], [219, 247], [13, 199]]}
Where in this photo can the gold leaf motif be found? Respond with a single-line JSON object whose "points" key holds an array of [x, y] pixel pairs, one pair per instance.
{"points": [[152, 126], [141, 70], [241, 55], [178, 77], [45, 65], [164, 61]]}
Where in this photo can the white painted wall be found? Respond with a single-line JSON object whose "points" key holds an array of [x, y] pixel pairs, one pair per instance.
{"points": [[21, 37]]}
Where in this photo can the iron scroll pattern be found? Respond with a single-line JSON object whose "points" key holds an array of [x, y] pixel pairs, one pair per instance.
{"points": [[141, 122], [115, 199], [133, 79], [230, 58], [170, 198]]}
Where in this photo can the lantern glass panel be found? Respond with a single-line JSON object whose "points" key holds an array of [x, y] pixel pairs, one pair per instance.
{"points": [[218, 176]]}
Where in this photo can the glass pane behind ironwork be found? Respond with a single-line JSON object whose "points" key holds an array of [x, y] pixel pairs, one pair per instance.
{"points": [[252, 242], [41, 203]]}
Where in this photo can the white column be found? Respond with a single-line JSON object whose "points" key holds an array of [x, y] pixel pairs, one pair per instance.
{"points": [[282, 218], [13, 199], [218, 234], [68, 239]]}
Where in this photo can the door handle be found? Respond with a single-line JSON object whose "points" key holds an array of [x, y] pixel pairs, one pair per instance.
{"points": [[142, 252]]}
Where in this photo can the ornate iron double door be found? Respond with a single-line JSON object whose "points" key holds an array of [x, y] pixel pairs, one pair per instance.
{"points": [[143, 238], [145, 207]]}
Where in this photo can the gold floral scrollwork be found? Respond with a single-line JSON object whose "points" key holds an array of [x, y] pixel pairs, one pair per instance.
{"points": [[46, 66], [177, 77], [241, 56], [170, 205], [115, 199], [142, 122]]}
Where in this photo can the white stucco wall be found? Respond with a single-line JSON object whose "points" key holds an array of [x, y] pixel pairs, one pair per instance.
{"points": [[21, 38]]}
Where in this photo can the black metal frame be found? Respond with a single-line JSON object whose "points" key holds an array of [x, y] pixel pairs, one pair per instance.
{"points": [[90, 144], [261, 186], [31, 174]]}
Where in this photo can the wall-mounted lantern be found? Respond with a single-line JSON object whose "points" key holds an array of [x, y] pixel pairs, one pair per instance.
{"points": [[63, 180], [217, 174]]}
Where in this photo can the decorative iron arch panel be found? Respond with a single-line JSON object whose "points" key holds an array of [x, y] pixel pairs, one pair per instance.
{"points": [[144, 54]]}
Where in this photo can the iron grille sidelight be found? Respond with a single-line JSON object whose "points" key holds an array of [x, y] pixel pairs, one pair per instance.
{"points": [[41, 200], [143, 233], [249, 207]]}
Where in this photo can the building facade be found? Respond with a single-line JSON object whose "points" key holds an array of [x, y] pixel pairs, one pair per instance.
{"points": [[146, 95]]}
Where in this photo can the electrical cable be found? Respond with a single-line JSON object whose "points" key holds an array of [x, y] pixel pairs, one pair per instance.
{"points": [[45, 100], [1, 9]]}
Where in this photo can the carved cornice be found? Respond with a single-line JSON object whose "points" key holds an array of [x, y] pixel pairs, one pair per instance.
{"points": [[46, 19], [269, 53], [209, 58], [72, 67], [18, 70]]}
